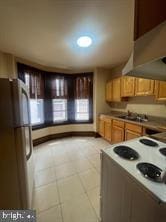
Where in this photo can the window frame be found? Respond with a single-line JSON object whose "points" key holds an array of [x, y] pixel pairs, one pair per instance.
{"points": [[65, 110], [76, 112], [38, 123]]}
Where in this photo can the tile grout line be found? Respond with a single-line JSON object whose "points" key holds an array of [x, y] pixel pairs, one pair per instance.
{"points": [[77, 173]]}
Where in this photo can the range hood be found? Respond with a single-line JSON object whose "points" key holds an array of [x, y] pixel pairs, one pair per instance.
{"points": [[148, 59]]}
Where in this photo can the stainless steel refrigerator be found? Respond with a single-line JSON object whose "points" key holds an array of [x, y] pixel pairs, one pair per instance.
{"points": [[16, 149]]}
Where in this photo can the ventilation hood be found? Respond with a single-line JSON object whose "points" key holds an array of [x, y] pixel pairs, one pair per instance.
{"points": [[148, 59]]}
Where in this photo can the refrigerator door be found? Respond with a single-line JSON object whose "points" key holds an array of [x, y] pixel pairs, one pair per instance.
{"points": [[22, 113], [23, 130], [16, 154], [26, 166]]}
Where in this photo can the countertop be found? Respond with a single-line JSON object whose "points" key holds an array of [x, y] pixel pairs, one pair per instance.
{"points": [[146, 154], [155, 123], [159, 136]]}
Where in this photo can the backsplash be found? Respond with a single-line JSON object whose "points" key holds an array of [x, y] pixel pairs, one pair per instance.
{"points": [[142, 105]]}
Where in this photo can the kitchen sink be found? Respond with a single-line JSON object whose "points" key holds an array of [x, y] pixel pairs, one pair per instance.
{"points": [[133, 118]]}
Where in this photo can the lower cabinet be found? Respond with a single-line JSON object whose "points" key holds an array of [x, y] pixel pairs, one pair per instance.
{"points": [[131, 134], [132, 131], [101, 127], [108, 130], [117, 134], [116, 131], [105, 127]]}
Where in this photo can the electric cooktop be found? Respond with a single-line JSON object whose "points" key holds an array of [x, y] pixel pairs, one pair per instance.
{"points": [[150, 171], [126, 152]]}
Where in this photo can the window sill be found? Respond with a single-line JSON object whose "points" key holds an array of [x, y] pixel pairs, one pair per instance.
{"points": [[36, 127]]}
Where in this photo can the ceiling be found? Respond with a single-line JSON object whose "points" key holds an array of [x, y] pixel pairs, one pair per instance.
{"points": [[46, 31]]}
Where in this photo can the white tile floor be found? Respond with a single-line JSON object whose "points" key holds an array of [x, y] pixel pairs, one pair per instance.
{"points": [[67, 179]]}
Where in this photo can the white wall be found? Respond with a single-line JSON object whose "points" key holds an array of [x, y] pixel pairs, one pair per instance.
{"points": [[62, 129], [142, 105], [101, 76], [7, 66]]}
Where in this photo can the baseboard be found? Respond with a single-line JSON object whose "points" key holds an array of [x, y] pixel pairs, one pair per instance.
{"points": [[62, 135]]}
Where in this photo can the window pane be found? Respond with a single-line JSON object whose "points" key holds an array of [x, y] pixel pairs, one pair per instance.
{"points": [[36, 109], [82, 109], [59, 110]]}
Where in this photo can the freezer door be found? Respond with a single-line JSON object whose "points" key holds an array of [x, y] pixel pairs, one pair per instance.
{"points": [[20, 103]]}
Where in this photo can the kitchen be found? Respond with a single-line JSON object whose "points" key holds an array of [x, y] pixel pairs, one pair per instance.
{"points": [[85, 111]]}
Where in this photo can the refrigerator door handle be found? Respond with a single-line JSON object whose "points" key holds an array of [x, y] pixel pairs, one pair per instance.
{"points": [[28, 156]]}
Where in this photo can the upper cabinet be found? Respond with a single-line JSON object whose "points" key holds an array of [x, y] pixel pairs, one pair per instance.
{"points": [[148, 14], [116, 87], [121, 88], [160, 90], [144, 87], [113, 90], [127, 86], [109, 91]]}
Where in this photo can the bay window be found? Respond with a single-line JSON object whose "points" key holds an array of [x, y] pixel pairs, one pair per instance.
{"points": [[58, 98]]}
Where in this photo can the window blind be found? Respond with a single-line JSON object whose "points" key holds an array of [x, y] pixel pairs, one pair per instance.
{"points": [[83, 87], [34, 80], [59, 87]]}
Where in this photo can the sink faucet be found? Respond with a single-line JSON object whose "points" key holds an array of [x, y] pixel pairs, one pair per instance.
{"points": [[129, 113]]}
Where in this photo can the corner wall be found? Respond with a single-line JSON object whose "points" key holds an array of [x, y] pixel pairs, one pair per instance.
{"points": [[101, 76]]}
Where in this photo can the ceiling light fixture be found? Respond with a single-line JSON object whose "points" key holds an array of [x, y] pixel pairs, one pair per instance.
{"points": [[84, 41]]}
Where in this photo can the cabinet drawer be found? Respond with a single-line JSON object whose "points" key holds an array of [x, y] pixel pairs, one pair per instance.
{"points": [[108, 119], [133, 127], [118, 123]]}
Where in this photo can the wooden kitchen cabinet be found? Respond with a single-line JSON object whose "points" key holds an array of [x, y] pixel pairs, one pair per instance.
{"points": [[116, 90], [105, 127], [101, 127], [144, 87], [132, 131], [127, 86], [148, 14], [109, 91], [129, 135], [108, 129], [160, 90], [117, 131]]}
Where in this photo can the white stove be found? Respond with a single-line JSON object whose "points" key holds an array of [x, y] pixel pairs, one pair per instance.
{"points": [[145, 159]]}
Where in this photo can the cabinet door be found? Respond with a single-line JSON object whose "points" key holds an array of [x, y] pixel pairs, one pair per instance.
{"points": [[148, 14], [160, 90], [116, 87], [131, 134], [117, 134], [101, 127], [127, 86], [107, 130], [144, 87], [109, 91]]}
